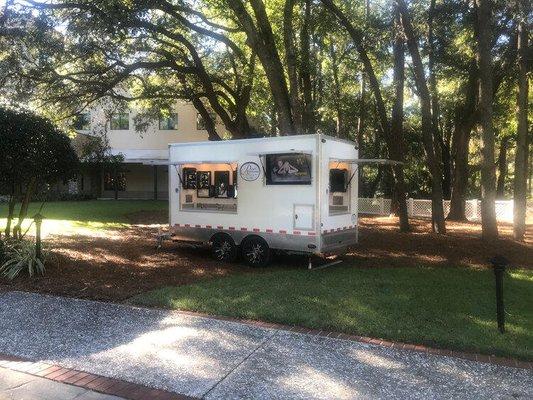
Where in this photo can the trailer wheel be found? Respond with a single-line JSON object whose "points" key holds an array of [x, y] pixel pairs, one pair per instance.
{"points": [[255, 251], [223, 247]]}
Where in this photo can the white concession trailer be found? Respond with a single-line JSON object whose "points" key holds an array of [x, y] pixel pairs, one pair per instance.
{"points": [[250, 196]]}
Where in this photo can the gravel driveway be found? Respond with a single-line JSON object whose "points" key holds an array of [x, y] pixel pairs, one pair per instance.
{"points": [[215, 359]]}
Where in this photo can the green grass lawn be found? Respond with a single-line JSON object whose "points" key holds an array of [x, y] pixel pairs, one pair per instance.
{"points": [[447, 308], [92, 210], [84, 217]]}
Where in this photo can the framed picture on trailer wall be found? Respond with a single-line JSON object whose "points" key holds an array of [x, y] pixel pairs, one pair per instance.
{"points": [[288, 169]]}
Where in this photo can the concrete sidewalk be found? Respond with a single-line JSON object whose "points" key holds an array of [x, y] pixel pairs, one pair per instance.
{"points": [[214, 359], [20, 386]]}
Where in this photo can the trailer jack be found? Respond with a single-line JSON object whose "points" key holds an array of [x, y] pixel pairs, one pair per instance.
{"points": [[161, 237], [334, 261]]}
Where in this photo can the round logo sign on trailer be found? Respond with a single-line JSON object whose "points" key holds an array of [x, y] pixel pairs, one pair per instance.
{"points": [[250, 171]]}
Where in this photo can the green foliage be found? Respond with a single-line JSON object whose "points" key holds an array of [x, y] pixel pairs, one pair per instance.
{"points": [[20, 257], [154, 53], [32, 147]]}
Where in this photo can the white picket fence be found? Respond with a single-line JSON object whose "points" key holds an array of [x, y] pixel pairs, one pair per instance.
{"points": [[422, 208]]}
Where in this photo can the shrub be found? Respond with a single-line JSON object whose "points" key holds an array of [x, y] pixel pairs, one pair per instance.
{"points": [[20, 256], [58, 196], [33, 153], [2, 251]]}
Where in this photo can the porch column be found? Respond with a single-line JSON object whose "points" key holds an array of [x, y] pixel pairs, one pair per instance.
{"points": [[115, 181], [155, 182]]}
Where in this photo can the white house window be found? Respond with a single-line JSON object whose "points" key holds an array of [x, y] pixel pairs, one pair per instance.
{"points": [[200, 123], [168, 122], [120, 122], [83, 122]]}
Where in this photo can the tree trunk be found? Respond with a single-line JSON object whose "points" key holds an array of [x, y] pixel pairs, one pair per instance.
{"points": [[210, 125], [434, 98], [308, 120], [489, 227], [394, 147], [292, 64], [397, 123], [10, 213], [339, 128], [467, 116], [362, 101], [465, 119], [273, 121], [522, 145], [447, 167], [17, 230], [502, 169], [362, 112], [428, 128], [460, 171], [261, 40], [373, 187]]}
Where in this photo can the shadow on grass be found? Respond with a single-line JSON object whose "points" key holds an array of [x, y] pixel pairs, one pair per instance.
{"points": [[103, 211], [450, 308]]}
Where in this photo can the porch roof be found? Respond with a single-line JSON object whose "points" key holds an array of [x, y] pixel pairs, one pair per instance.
{"points": [[143, 156]]}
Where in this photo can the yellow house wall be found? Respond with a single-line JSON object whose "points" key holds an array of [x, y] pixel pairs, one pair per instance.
{"points": [[153, 138]]}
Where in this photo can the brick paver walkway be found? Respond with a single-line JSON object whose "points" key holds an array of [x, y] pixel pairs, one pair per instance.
{"points": [[16, 385], [214, 358]]}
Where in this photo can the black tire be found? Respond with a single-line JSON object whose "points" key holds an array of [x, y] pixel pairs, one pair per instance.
{"points": [[255, 251], [223, 248]]}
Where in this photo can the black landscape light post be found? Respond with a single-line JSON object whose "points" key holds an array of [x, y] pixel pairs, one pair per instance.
{"points": [[499, 263], [38, 218]]}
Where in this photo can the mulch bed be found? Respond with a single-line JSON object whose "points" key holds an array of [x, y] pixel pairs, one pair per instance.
{"points": [[119, 266], [382, 245], [125, 262]]}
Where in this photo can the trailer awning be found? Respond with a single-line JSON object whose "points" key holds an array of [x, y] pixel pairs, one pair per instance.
{"points": [[289, 151], [194, 162], [152, 162], [363, 161]]}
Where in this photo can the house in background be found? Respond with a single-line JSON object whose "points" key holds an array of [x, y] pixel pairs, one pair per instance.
{"points": [[144, 173]]}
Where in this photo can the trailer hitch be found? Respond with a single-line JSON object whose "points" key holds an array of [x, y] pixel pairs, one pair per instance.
{"points": [[162, 237]]}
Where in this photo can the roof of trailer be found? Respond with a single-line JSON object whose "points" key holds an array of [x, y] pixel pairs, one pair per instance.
{"points": [[263, 139]]}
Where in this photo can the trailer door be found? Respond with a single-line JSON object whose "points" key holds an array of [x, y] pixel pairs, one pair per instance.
{"points": [[303, 216]]}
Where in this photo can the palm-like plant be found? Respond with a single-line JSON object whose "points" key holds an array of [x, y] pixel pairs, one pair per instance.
{"points": [[20, 256]]}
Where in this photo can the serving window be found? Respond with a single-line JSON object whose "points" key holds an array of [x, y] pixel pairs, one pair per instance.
{"points": [[340, 176], [209, 187], [288, 169]]}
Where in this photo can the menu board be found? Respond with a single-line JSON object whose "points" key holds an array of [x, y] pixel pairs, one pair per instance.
{"points": [[189, 178], [203, 183], [337, 180], [221, 183]]}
